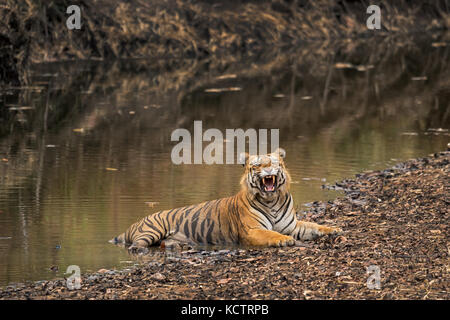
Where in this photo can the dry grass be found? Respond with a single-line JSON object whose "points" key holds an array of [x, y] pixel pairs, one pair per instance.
{"points": [[34, 30]]}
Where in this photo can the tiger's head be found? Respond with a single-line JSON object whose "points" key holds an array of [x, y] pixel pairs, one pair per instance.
{"points": [[265, 176]]}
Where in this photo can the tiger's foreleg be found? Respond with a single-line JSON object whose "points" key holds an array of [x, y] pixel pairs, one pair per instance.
{"points": [[310, 230], [138, 247], [262, 237]]}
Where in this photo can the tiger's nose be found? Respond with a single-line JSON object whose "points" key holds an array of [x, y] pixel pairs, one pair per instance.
{"points": [[269, 171]]}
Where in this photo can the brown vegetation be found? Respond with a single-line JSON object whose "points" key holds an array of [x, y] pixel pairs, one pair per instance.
{"points": [[34, 30]]}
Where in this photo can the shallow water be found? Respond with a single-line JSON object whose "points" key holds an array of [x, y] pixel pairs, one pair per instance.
{"points": [[86, 158]]}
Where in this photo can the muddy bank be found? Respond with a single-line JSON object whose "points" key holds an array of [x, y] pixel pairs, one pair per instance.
{"points": [[35, 31], [395, 220]]}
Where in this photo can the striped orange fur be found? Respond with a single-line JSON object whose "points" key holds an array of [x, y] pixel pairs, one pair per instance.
{"points": [[261, 214]]}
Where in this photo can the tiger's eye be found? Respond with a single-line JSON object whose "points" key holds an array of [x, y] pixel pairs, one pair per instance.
{"points": [[273, 159], [255, 162]]}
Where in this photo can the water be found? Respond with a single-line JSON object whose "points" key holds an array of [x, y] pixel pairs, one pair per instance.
{"points": [[86, 158]]}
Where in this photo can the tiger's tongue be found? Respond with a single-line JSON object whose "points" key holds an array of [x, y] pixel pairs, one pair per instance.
{"points": [[268, 184]]}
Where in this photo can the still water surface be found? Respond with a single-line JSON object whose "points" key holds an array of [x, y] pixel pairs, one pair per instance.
{"points": [[85, 149]]}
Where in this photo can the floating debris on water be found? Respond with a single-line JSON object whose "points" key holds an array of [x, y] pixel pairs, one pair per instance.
{"points": [[151, 204], [363, 68], [347, 65], [218, 90], [14, 107], [439, 44], [227, 76], [409, 134], [419, 78], [315, 179], [31, 88], [343, 65], [438, 129]]}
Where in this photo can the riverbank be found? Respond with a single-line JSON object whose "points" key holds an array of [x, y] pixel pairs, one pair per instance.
{"points": [[35, 31], [394, 221]]}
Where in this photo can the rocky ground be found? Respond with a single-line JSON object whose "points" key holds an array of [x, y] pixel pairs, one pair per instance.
{"points": [[396, 221]]}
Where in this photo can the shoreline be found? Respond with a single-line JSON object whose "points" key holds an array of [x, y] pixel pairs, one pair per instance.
{"points": [[395, 220]]}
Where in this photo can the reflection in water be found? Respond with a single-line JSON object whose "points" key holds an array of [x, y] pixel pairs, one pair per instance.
{"points": [[84, 159]]}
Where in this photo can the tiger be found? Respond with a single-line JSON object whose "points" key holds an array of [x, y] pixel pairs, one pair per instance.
{"points": [[261, 214]]}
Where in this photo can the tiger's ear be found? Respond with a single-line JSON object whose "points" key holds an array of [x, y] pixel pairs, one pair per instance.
{"points": [[243, 158], [281, 152]]}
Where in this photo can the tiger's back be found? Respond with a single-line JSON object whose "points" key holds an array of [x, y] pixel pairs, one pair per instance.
{"points": [[210, 222]]}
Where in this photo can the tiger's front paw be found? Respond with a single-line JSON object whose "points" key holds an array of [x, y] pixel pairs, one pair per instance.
{"points": [[336, 231], [285, 241], [323, 230], [137, 250]]}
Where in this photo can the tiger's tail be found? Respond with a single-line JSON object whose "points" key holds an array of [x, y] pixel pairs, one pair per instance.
{"points": [[119, 239]]}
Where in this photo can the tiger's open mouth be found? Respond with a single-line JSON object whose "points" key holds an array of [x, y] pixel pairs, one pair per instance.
{"points": [[269, 183]]}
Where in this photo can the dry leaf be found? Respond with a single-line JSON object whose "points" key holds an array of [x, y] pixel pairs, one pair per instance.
{"points": [[343, 65], [223, 281], [151, 204]]}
